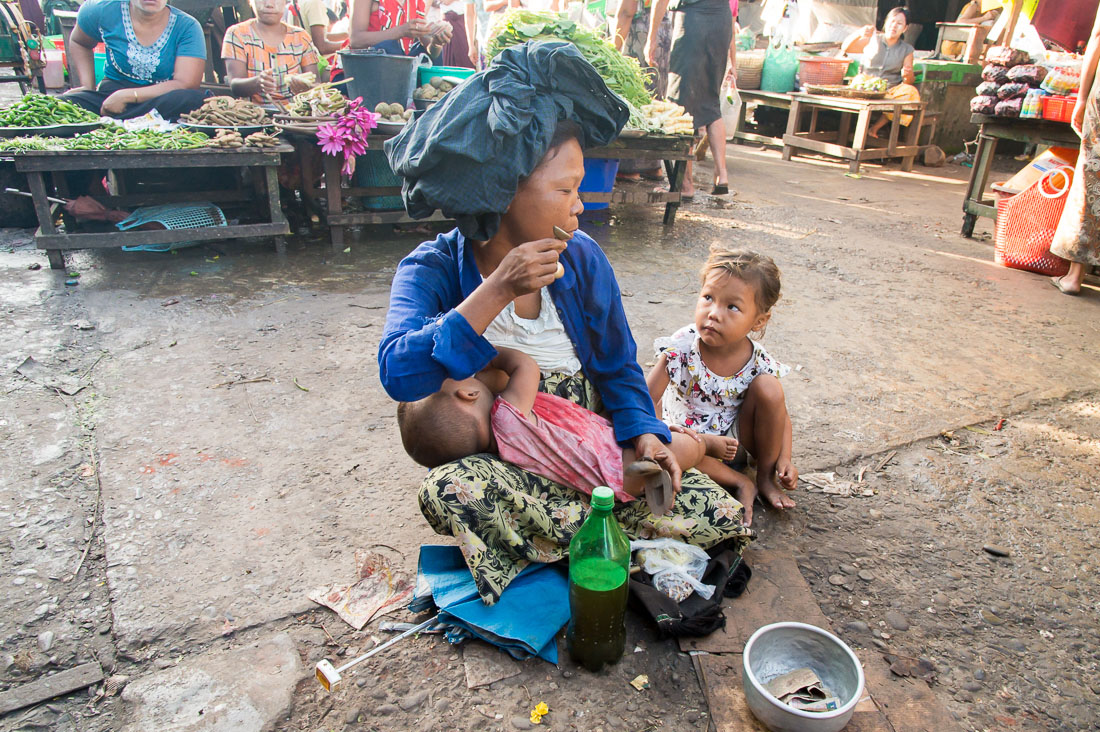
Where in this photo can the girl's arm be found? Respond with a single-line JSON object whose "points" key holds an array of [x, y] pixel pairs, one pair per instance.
{"points": [[1088, 76], [657, 382], [907, 75], [240, 83], [363, 37], [523, 378]]}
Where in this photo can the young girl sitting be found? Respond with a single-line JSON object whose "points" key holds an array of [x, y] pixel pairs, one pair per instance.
{"points": [[712, 378], [541, 433]]}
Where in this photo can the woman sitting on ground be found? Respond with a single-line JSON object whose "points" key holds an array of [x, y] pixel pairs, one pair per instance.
{"points": [[266, 59], [502, 279], [888, 56], [156, 56]]}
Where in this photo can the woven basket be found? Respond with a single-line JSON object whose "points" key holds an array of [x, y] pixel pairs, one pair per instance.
{"points": [[822, 70], [750, 67]]}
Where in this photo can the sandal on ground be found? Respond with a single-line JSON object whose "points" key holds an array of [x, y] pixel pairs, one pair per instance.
{"points": [[720, 189], [658, 484], [1057, 282]]}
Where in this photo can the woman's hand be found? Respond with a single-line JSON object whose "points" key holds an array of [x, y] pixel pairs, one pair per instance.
{"points": [[301, 82], [117, 102], [1078, 119], [265, 83], [475, 54], [651, 52], [415, 28], [648, 446], [867, 32], [529, 267]]}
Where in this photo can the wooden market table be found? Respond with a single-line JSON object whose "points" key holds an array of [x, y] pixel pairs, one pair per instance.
{"points": [[860, 149], [780, 100], [264, 195], [990, 130], [673, 151]]}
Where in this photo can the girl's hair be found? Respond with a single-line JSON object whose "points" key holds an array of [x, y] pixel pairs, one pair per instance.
{"points": [[902, 11], [758, 270]]}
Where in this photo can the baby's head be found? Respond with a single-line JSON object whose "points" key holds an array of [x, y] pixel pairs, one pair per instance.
{"points": [[450, 424], [741, 274]]}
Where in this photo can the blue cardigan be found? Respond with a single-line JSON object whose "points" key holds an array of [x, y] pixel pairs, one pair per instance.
{"points": [[425, 340]]}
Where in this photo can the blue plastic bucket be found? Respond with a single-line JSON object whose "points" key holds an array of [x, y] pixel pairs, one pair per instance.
{"points": [[599, 177]]}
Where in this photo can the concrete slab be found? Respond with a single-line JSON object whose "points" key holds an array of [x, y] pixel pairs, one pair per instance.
{"points": [[248, 689]]}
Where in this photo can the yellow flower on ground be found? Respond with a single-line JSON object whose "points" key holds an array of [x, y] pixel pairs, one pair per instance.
{"points": [[540, 711]]}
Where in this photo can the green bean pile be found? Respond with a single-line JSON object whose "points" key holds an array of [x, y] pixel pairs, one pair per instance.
{"points": [[111, 138], [40, 110]]}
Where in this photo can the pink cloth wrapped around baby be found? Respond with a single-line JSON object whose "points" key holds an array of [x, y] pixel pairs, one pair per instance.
{"points": [[563, 441]]}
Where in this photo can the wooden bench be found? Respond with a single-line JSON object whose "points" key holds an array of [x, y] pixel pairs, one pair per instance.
{"points": [[862, 146]]}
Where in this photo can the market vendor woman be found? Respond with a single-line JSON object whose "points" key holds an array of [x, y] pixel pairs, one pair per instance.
{"points": [[887, 55], [508, 178], [155, 58], [266, 59]]}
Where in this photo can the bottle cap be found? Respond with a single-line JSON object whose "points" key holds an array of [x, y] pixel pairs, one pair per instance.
{"points": [[603, 497]]}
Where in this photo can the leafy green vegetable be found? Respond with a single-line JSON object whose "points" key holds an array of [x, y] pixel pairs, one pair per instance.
{"points": [[111, 138], [623, 74], [40, 110]]}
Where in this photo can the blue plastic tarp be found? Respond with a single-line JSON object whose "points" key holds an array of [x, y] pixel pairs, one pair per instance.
{"points": [[524, 621]]}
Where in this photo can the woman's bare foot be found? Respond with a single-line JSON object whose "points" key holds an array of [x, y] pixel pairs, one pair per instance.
{"points": [[720, 446]]}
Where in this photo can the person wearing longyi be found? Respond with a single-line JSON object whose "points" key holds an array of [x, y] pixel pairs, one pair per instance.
{"points": [[156, 56], [541, 433], [508, 178], [266, 59]]}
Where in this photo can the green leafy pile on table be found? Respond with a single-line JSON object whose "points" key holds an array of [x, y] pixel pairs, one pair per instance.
{"points": [[111, 138], [623, 74]]}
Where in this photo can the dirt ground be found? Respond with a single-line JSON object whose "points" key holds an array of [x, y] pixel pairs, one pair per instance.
{"points": [[232, 448]]}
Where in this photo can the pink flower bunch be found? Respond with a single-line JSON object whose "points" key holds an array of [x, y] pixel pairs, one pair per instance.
{"points": [[348, 134]]}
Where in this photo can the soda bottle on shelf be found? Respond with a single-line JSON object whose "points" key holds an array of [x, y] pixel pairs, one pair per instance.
{"points": [[599, 567]]}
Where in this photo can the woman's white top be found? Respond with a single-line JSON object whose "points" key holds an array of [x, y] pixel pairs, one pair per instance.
{"points": [[543, 338]]}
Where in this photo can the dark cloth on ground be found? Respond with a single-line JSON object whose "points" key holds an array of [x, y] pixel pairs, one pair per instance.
{"points": [[467, 154], [457, 51], [701, 35], [170, 105]]}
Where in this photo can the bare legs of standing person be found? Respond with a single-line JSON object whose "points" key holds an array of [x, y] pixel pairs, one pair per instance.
{"points": [[1070, 282], [716, 137]]}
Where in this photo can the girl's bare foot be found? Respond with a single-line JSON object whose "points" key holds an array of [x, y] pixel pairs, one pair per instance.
{"points": [[720, 446], [771, 493]]}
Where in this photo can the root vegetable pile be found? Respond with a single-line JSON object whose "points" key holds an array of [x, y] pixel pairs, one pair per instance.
{"points": [[666, 117], [226, 111], [227, 139], [436, 87], [260, 139], [392, 113]]}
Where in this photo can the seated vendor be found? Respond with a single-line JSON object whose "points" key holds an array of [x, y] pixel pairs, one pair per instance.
{"points": [[266, 59], [156, 56], [888, 56], [397, 27]]}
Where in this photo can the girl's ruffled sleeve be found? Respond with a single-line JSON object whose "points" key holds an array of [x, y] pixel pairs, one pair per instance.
{"points": [[676, 348]]}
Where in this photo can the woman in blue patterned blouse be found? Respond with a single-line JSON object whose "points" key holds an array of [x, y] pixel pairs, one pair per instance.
{"points": [[155, 58]]}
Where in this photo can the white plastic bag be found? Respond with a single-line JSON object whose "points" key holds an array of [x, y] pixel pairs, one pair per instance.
{"points": [[676, 567], [730, 101]]}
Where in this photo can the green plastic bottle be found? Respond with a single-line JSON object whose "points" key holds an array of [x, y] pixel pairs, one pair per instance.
{"points": [[599, 566]]}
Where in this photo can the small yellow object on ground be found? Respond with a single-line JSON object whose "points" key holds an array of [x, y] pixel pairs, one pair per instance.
{"points": [[640, 682], [540, 711]]}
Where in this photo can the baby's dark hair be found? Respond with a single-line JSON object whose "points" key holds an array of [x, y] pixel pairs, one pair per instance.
{"points": [[434, 432], [758, 270]]}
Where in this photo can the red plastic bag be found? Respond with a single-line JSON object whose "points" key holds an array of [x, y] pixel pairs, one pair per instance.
{"points": [[1026, 223]]}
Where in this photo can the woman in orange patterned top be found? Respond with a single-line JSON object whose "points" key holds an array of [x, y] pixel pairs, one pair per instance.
{"points": [[265, 58]]}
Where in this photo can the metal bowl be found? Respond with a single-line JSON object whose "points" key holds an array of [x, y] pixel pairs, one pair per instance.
{"points": [[780, 648]]}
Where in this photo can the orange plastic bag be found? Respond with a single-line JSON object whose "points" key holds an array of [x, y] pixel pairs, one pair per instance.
{"points": [[1026, 223]]}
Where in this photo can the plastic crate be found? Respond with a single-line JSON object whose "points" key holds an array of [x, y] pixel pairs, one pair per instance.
{"points": [[1058, 109], [372, 170], [822, 70]]}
